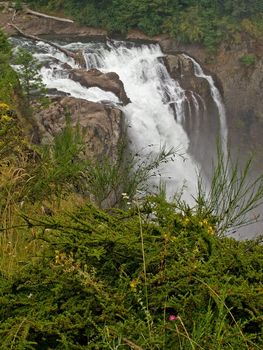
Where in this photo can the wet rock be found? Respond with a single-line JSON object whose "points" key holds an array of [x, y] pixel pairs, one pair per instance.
{"points": [[181, 69], [201, 119], [105, 81], [56, 92]]}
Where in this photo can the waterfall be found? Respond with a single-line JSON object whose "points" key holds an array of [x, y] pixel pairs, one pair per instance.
{"points": [[157, 112], [217, 99], [149, 115]]}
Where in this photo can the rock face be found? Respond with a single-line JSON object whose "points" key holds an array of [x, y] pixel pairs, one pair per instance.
{"points": [[242, 88], [105, 81], [103, 125], [201, 120]]}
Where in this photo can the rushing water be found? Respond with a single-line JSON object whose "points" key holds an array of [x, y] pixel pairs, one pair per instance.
{"points": [[156, 114]]}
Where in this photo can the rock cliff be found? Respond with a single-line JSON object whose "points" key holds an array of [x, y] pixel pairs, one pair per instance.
{"points": [[201, 120], [242, 88], [102, 125]]}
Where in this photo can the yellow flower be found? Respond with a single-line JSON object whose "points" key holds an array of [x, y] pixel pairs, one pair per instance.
{"points": [[166, 237], [205, 222], [210, 230], [5, 118], [3, 105], [186, 221], [133, 283]]}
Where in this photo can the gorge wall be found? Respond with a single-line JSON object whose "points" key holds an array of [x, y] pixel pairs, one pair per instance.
{"points": [[241, 87]]}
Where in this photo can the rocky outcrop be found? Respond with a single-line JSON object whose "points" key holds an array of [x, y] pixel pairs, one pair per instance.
{"points": [[242, 88], [182, 69], [201, 121], [105, 81], [102, 125]]}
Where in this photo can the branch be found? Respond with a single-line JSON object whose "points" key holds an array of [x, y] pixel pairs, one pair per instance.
{"points": [[77, 56], [39, 14], [130, 343]]}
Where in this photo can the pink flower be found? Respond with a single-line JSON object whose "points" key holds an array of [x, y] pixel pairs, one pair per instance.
{"points": [[173, 318]]}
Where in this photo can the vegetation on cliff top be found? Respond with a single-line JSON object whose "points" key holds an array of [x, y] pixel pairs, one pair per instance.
{"points": [[149, 275], [207, 21]]}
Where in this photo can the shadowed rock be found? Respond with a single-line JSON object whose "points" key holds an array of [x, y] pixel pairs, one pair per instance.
{"points": [[103, 125], [105, 81]]}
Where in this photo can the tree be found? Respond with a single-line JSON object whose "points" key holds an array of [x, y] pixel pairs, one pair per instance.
{"points": [[28, 73]]}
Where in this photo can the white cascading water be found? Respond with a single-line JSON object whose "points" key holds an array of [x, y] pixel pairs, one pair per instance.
{"points": [[217, 99], [149, 116], [157, 107]]}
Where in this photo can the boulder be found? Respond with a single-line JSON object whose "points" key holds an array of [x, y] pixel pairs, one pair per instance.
{"points": [[181, 69], [105, 81], [103, 124]]}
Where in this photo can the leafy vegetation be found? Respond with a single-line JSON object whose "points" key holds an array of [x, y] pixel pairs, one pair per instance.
{"points": [[206, 21], [28, 73], [248, 60], [8, 79], [151, 277]]}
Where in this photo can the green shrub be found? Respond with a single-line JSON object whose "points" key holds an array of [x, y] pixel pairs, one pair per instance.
{"points": [[248, 60], [187, 21], [152, 277]]}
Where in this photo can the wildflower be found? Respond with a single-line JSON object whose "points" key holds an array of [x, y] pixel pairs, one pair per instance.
{"points": [[5, 118], [173, 318], [203, 222], [125, 195], [210, 230], [134, 283], [166, 237], [186, 221], [3, 105]]}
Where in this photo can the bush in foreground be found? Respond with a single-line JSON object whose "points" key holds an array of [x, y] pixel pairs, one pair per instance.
{"points": [[150, 277]]}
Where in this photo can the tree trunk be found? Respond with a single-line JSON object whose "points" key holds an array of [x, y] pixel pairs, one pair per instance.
{"points": [[77, 56], [39, 14]]}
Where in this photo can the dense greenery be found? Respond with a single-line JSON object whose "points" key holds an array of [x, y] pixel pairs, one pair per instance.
{"points": [[151, 276], [28, 73], [206, 21], [8, 78]]}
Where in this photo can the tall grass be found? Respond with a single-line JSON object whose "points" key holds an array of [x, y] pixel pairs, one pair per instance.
{"points": [[232, 196]]}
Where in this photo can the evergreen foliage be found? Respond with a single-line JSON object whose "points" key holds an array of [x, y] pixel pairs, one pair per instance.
{"points": [[206, 21], [92, 287], [8, 78], [28, 73]]}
